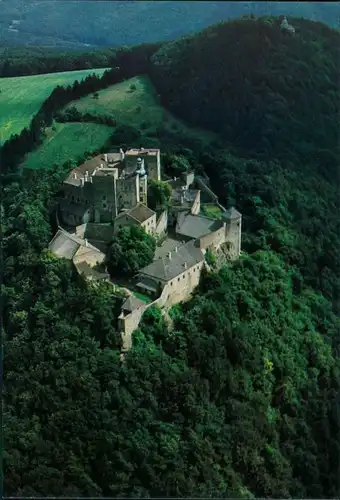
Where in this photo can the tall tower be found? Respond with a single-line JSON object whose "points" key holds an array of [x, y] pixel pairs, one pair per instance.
{"points": [[233, 220], [142, 184]]}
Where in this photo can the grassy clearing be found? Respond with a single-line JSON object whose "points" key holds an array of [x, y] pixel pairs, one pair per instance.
{"points": [[68, 141], [21, 97], [135, 102], [212, 211], [142, 297]]}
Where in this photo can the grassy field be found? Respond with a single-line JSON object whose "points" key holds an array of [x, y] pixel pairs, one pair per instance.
{"points": [[21, 97], [68, 141], [135, 102], [142, 297], [211, 210], [71, 140]]}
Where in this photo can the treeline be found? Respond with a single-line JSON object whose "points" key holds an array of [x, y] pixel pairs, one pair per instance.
{"points": [[71, 114], [128, 64], [24, 61]]}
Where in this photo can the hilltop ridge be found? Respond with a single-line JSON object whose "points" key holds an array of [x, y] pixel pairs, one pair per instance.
{"points": [[252, 79], [78, 25]]}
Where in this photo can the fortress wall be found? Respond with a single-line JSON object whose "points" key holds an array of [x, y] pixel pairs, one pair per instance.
{"points": [[233, 236], [80, 230], [206, 189], [183, 286], [196, 206], [162, 223], [128, 324], [213, 240], [150, 224]]}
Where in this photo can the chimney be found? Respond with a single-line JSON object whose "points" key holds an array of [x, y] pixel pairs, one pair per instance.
{"points": [[75, 175], [176, 249], [105, 157], [86, 243], [122, 155], [82, 181], [101, 165], [185, 265], [175, 179], [169, 255]]}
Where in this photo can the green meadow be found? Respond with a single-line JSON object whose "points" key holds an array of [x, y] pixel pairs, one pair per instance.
{"points": [[21, 97], [135, 102], [68, 141]]}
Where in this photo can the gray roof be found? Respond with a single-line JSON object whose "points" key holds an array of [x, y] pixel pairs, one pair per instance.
{"points": [[90, 166], [100, 232], [232, 213], [196, 226], [132, 303], [167, 268], [149, 284], [141, 212], [187, 194], [89, 272], [63, 245], [66, 245]]}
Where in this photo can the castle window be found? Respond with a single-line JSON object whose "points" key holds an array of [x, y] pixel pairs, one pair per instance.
{"points": [[104, 197], [78, 199], [178, 279], [72, 198], [238, 224]]}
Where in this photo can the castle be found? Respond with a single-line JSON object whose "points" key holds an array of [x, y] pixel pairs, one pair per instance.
{"points": [[109, 192], [102, 187]]}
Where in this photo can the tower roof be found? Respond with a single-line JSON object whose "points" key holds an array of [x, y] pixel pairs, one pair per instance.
{"points": [[232, 214]]}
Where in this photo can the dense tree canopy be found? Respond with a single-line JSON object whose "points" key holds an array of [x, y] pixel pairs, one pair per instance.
{"points": [[265, 91], [131, 249], [159, 193]]}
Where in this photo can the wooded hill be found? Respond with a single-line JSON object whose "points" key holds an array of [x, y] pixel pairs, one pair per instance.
{"points": [[241, 398], [265, 91]]}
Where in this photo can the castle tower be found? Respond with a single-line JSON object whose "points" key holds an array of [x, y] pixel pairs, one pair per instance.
{"points": [[233, 220], [142, 186]]}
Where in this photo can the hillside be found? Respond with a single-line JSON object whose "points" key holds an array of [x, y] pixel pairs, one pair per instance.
{"points": [[133, 104], [240, 398], [21, 97], [68, 142], [77, 25], [265, 91]]}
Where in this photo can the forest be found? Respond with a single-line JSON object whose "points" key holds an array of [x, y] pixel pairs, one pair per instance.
{"points": [[75, 26], [240, 398]]}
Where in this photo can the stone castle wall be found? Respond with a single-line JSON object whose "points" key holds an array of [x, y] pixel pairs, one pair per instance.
{"points": [[206, 189], [196, 206], [162, 223], [181, 287], [233, 236], [213, 240], [129, 323]]}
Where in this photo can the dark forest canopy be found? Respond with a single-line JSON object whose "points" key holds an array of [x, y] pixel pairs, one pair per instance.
{"points": [[240, 399], [20, 61], [264, 90]]}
